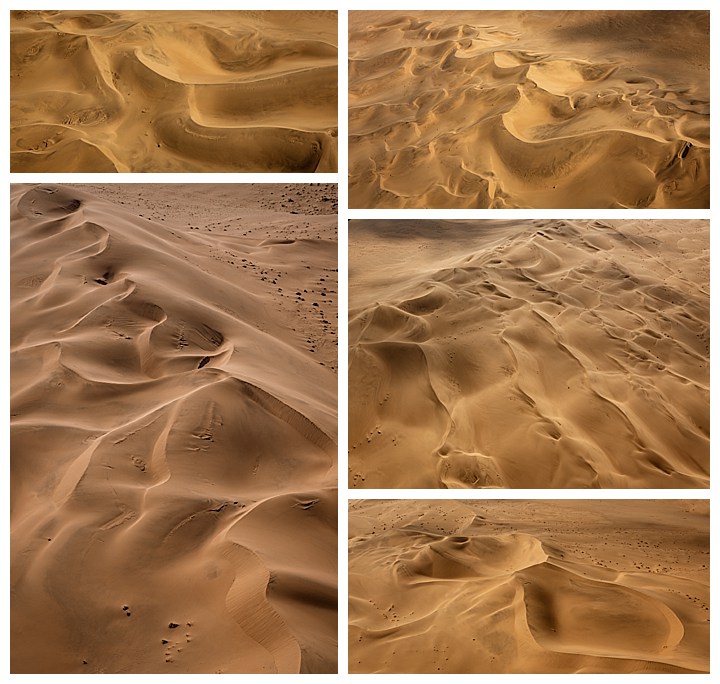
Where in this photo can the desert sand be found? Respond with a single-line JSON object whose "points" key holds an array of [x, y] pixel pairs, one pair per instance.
{"points": [[498, 109], [173, 91], [174, 428], [530, 354], [610, 586]]}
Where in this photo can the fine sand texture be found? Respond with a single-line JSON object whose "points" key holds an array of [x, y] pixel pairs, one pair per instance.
{"points": [[529, 354], [174, 429], [609, 586], [173, 91], [504, 109]]}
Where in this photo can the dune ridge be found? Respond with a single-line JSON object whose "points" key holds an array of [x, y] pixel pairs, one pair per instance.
{"points": [[174, 91], [531, 354], [523, 109], [529, 586], [173, 430]]}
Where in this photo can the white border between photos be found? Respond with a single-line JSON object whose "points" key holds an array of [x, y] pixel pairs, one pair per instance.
{"points": [[343, 215]]}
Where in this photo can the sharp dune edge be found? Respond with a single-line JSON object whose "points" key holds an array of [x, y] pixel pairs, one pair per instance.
{"points": [[500, 109], [529, 586], [174, 419], [529, 354], [173, 91]]}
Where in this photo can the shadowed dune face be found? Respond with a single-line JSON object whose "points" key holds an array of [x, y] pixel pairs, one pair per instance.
{"points": [[504, 109], [173, 91], [174, 419], [529, 354], [529, 586]]}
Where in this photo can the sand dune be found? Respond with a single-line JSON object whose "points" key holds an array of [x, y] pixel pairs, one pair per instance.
{"points": [[531, 109], [173, 91], [545, 353], [174, 420], [529, 586]]}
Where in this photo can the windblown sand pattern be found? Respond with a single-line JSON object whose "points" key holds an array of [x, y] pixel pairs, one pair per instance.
{"points": [[499, 109], [173, 91], [529, 586], [174, 419], [545, 353]]}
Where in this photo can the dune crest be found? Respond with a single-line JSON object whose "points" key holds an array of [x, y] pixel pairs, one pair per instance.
{"points": [[545, 353], [173, 417], [514, 109], [530, 587]]}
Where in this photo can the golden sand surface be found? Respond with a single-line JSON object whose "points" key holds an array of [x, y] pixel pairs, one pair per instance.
{"points": [[173, 428], [173, 91], [529, 109], [529, 586], [529, 353]]}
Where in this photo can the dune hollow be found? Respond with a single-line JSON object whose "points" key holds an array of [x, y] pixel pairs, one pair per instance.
{"points": [[529, 109]]}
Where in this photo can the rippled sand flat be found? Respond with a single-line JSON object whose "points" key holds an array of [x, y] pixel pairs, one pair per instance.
{"points": [[546, 353], [519, 586], [173, 91], [497, 109], [174, 428]]}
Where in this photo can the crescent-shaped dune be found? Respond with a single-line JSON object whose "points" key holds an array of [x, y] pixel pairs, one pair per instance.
{"points": [[529, 109], [173, 91], [174, 420], [536, 586]]}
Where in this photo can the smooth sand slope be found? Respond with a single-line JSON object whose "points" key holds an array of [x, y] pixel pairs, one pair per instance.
{"points": [[527, 354], [529, 586], [173, 91], [174, 419], [602, 109]]}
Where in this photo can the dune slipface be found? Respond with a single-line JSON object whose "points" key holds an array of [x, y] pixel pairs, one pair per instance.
{"points": [[498, 109], [529, 586], [529, 354], [174, 419], [173, 91]]}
